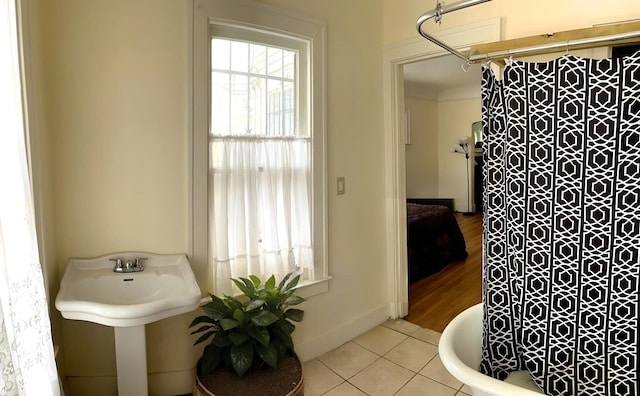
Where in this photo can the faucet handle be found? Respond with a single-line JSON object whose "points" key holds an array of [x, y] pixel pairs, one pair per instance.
{"points": [[139, 260], [118, 266], [118, 261]]}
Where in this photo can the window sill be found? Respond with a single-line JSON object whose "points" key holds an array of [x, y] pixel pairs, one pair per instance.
{"points": [[310, 288], [305, 289]]}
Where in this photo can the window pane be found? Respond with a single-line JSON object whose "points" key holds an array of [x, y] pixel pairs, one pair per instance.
{"points": [[288, 107], [239, 104], [289, 65], [239, 56], [258, 59], [257, 105], [274, 66], [220, 54], [274, 111], [219, 103]]}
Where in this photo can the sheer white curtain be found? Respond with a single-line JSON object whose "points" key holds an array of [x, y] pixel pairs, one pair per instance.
{"points": [[260, 208], [27, 365]]}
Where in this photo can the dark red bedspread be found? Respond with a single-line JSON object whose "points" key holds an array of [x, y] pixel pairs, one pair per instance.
{"points": [[434, 239]]}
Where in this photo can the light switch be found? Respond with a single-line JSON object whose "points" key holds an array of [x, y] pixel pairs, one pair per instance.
{"points": [[340, 185]]}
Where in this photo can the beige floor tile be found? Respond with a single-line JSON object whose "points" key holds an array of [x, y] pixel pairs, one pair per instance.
{"points": [[462, 393], [412, 354], [437, 372], [380, 340], [345, 389], [382, 378], [348, 360], [466, 390], [427, 335], [421, 386], [318, 378], [402, 326]]}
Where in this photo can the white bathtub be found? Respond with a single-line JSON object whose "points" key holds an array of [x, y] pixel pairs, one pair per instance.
{"points": [[460, 350]]}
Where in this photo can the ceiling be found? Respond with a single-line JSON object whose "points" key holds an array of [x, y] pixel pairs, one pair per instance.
{"points": [[441, 73]]}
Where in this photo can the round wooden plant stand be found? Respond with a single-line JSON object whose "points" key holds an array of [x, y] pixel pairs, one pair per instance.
{"points": [[286, 380]]}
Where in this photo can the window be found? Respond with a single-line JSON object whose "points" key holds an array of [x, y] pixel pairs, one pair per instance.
{"points": [[258, 186]]}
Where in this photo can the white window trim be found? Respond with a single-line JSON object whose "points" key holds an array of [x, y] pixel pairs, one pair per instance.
{"points": [[254, 16]]}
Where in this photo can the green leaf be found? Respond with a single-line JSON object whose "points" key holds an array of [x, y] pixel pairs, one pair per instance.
{"points": [[211, 357], [256, 280], [238, 338], [285, 326], [271, 283], [260, 334], [246, 286], [264, 318], [202, 319], [280, 335], [254, 304], [228, 324], [241, 358], [293, 300], [204, 328], [282, 332], [204, 337], [284, 280], [269, 354], [221, 339], [292, 283], [238, 315], [294, 314], [216, 308], [280, 347]]}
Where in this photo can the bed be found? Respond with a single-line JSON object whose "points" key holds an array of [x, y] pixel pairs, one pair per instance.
{"points": [[434, 238]]}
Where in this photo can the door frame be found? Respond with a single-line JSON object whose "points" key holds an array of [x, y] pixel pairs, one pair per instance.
{"points": [[394, 58]]}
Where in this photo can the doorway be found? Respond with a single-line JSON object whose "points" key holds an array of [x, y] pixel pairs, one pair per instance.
{"points": [[443, 103], [394, 59]]}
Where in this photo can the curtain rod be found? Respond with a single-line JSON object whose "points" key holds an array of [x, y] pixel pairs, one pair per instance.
{"points": [[547, 47], [437, 14], [583, 43]]}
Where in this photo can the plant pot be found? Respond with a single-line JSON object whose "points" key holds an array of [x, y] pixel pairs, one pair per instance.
{"points": [[285, 380]]}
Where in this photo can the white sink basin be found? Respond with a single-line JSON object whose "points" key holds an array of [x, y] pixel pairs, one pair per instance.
{"points": [[91, 291]]}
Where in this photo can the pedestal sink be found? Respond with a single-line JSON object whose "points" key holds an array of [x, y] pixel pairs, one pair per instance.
{"points": [[90, 290]]}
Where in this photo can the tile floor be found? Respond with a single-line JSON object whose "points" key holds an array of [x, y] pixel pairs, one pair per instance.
{"points": [[396, 358]]}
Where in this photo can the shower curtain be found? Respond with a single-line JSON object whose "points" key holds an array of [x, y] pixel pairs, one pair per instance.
{"points": [[561, 267]]}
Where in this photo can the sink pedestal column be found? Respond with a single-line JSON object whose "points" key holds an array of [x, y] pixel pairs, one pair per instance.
{"points": [[131, 360]]}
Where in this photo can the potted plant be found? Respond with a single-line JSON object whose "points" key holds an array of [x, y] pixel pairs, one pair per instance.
{"points": [[250, 348]]}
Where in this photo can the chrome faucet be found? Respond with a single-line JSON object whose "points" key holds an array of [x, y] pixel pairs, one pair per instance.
{"points": [[128, 265]]}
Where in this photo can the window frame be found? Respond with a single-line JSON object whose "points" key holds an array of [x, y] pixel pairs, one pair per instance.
{"points": [[255, 18]]}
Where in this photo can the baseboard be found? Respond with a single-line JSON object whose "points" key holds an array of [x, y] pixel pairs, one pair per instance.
{"points": [[160, 384], [172, 383], [332, 339]]}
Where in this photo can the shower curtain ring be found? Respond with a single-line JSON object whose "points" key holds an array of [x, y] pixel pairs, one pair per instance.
{"points": [[438, 13]]}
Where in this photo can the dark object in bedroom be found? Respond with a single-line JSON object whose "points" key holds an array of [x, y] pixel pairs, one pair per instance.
{"points": [[434, 239], [618, 52]]}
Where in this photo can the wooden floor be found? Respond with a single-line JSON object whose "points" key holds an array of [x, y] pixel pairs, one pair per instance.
{"points": [[438, 298]]}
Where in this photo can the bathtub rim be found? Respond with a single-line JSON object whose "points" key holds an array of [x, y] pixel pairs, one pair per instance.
{"points": [[466, 321]]}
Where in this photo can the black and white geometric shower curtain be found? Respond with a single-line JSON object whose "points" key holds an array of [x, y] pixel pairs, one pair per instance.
{"points": [[561, 262]]}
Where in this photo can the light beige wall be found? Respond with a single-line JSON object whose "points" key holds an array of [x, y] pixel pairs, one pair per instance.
{"points": [[114, 93], [421, 156], [519, 17], [35, 27], [454, 123]]}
